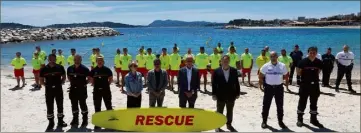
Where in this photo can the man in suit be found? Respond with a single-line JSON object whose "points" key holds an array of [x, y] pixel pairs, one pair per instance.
{"points": [[188, 83], [157, 83], [226, 89]]}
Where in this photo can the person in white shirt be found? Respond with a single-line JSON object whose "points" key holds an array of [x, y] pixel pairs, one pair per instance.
{"points": [[344, 60], [273, 73]]}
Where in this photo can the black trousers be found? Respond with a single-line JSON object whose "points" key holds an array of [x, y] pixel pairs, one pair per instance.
{"points": [[103, 94], [134, 102], [54, 93], [326, 72], [78, 96], [293, 67], [308, 90], [183, 100], [229, 106], [341, 71], [269, 93], [153, 99]]}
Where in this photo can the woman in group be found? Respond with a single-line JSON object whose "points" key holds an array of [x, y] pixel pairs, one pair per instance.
{"points": [[133, 86]]}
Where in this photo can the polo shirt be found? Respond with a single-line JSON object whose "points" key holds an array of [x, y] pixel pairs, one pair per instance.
{"points": [[42, 55], [186, 55], [126, 59], [215, 58], [165, 60], [141, 60], [345, 58], [310, 70], [117, 61], [52, 75], [261, 60], [18, 63], [36, 63], [328, 60], [77, 76], [247, 60], [202, 60], [149, 61], [274, 73], [219, 49], [296, 56], [70, 60], [100, 77], [286, 60], [233, 59], [175, 61], [60, 59]]}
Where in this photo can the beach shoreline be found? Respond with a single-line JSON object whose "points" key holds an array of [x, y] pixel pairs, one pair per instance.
{"points": [[297, 27]]}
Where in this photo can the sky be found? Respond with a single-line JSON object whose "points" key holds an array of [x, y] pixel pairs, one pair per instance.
{"points": [[41, 13]]}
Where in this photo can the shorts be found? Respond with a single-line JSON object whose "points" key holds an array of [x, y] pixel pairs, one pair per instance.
{"points": [[118, 70], [173, 73], [246, 70], [202, 72], [124, 72], [168, 72], [143, 71], [19, 72], [36, 71]]}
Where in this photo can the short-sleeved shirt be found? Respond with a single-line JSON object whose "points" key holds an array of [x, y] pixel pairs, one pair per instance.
{"points": [[286, 60], [345, 58], [247, 60], [117, 61], [60, 59], [18, 63], [165, 60], [52, 75], [42, 55], [186, 55], [328, 60], [149, 61], [70, 60], [261, 60], [37, 63], [100, 77], [126, 59], [175, 61], [202, 60], [93, 59], [77, 75], [233, 59], [296, 56], [215, 58], [141, 59], [220, 49], [310, 70], [274, 73]]}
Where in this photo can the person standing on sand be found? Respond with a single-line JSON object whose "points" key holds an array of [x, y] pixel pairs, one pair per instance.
{"points": [[344, 60], [246, 65], [189, 52], [133, 86], [149, 64], [157, 83], [165, 60], [19, 62], [101, 77], [42, 54], [285, 59], [309, 69], [225, 89], [234, 58], [60, 58], [328, 61], [214, 58], [296, 56], [266, 48], [37, 64], [219, 48], [70, 59], [78, 76], [125, 60], [175, 61], [231, 45], [52, 76], [189, 83], [271, 76], [141, 60], [202, 60], [260, 61], [117, 65], [92, 58]]}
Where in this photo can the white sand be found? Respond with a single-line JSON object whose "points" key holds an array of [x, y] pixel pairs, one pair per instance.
{"points": [[25, 110]]}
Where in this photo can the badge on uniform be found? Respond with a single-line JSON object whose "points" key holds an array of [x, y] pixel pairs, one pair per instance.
{"points": [[74, 75]]}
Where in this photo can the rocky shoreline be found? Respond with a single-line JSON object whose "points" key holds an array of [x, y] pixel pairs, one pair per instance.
{"points": [[41, 34]]}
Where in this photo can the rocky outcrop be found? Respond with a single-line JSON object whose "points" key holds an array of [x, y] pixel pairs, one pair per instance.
{"points": [[40, 34]]}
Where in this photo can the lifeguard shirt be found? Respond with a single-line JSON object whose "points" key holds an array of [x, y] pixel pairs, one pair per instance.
{"points": [[37, 63], [126, 59], [261, 60], [60, 59], [70, 60], [233, 59], [93, 59], [18, 63], [202, 60], [286, 60], [219, 49], [247, 60], [186, 55], [345, 58], [215, 58], [42, 55], [274, 73], [175, 61], [149, 61], [141, 60], [100, 77], [165, 60], [310, 70], [117, 61]]}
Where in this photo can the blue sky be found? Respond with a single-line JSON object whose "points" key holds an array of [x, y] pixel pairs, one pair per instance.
{"points": [[40, 13]]}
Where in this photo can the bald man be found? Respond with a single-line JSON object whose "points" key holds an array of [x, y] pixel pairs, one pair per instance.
{"points": [[344, 60]]}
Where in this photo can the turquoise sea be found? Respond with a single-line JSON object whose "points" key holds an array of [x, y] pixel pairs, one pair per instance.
{"points": [[157, 38]]}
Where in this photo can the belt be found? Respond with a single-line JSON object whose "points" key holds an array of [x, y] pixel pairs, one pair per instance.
{"points": [[274, 86]]}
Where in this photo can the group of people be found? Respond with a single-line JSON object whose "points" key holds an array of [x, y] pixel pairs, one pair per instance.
{"points": [[159, 71]]}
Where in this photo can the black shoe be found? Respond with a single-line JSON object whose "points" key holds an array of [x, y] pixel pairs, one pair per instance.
{"points": [[61, 123], [219, 130], [352, 91], [75, 121], [315, 122], [85, 121], [282, 125], [231, 128], [337, 90], [299, 123], [51, 125], [264, 125], [96, 128]]}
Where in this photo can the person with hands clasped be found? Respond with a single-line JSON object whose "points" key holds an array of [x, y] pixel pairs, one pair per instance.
{"points": [[133, 86], [157, 83], [189, 83]]}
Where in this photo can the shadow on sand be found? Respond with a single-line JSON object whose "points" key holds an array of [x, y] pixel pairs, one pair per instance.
{"points": [[318, 129], [281, 130]]}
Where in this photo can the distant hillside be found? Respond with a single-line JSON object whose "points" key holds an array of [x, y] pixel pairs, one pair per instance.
{"points": [[177, 23], [14, 26], [92, 24]]}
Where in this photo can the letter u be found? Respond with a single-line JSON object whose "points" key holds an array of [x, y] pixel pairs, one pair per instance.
{"points": [[178, 120]]}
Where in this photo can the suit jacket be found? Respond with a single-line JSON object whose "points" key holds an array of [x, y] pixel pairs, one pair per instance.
{"points": [[222, 89], [152, 81], [183, 81]]}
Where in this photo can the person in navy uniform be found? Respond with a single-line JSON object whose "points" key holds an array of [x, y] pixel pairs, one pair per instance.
{"points": [[328, 60], [101, 78], [78, 77], [309, 69], [296, 56], [345, 64], [52, 76], [271, 76]]}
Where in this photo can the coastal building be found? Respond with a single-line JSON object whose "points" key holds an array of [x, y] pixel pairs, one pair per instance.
{"points": [[301, 19], [359, 14]]}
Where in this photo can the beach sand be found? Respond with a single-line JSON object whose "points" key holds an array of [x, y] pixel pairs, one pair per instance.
{"points": [[24, 110]]}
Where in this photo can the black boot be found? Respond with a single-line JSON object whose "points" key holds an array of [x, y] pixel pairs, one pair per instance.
{"points": [[51, 124], [298, 80], [315, 122], [280, 123], [61, 123], [300, 120], [351, 90], [264, 123], [75, 120], [85, 120]]}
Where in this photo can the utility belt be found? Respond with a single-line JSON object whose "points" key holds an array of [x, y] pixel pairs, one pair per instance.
{"points": [[102, 88], [53, 86], [273, 86]]}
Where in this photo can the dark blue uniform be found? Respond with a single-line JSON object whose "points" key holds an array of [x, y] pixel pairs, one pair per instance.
{"points": [[328, 61], [101, 91], [296, 58]]}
